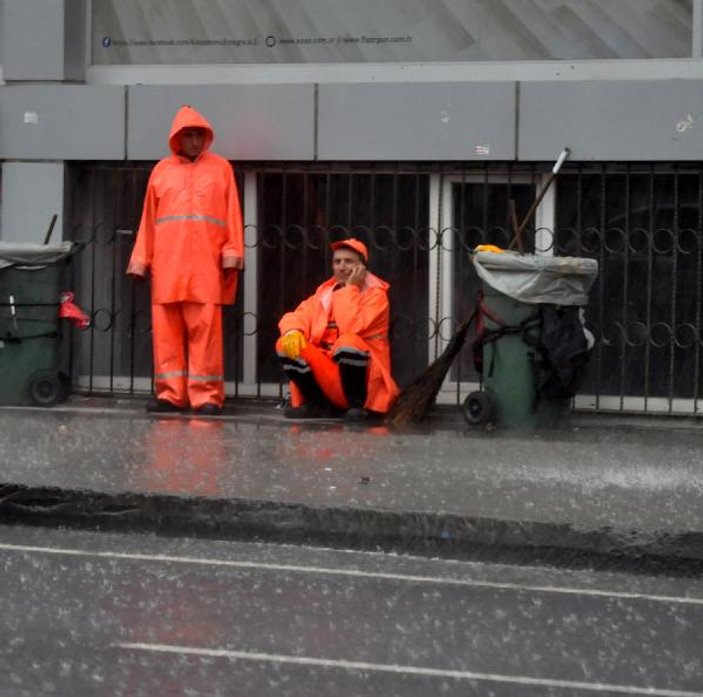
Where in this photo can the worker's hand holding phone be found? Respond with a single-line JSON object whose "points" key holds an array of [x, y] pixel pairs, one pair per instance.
{"points": [[357, 275]]}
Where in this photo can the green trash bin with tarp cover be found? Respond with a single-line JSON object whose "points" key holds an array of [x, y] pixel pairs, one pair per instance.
{"points": [[31, 288], [531, 345]]}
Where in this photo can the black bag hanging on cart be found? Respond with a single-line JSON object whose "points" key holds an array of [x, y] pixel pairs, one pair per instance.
{"points": [[562, 351]]}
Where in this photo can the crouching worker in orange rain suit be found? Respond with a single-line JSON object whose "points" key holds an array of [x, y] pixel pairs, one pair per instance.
{"points": [[334, 346], [191, 239]]}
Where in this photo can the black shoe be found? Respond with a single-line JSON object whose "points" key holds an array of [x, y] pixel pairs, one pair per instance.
{"points": [[208, 409], [356, 415], [307, 411], [162, 406]]}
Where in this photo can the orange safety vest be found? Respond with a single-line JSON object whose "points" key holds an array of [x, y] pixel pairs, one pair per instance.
{"points": [[362, 311], [191, 225]]}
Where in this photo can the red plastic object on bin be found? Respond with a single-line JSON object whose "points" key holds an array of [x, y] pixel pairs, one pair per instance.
{"points": [[70, 311]]}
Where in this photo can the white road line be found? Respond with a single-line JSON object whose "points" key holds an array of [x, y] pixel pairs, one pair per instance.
{"points": [[405, 670], [353, 573]]}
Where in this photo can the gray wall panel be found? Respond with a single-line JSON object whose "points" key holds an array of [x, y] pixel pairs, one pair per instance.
{"points": [[32, 193], [630, 120], [420, 121], [33, 40], [62, 122], [251, 122]]}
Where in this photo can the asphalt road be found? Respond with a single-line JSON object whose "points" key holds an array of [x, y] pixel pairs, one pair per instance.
{"points": [[96, 614]]}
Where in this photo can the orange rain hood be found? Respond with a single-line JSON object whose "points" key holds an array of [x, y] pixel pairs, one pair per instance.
{"points": [[188, 117]]}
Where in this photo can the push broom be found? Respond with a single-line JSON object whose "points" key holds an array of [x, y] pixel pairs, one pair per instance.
{"points": [[413, 403]]}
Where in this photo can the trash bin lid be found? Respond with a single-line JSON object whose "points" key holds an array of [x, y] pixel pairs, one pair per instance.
{"points": [[538, 279], [33, 255]]}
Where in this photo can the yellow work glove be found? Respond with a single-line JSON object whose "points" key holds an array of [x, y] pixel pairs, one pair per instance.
{"points": [[489, 248], [293, 342]]}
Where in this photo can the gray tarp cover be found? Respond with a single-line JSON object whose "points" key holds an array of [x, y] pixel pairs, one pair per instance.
{"points": [[536, 279], [33, 255]]}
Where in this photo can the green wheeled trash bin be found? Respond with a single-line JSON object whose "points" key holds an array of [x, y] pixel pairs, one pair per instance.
{"points": [[31, 284], [531, 345]]}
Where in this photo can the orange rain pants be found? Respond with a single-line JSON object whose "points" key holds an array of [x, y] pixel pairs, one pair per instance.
{"points": [[324, 368], [188, 353]]}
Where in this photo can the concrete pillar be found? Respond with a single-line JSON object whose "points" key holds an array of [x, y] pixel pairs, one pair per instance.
{"points": [[697, 33], [42, 41], [32, 192]]}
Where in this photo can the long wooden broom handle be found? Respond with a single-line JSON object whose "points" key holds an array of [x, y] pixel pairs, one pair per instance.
{"points": [[557, 166], [517, 232], [51, 228]]}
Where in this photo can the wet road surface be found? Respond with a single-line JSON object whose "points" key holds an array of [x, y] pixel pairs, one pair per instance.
{"points": [[91, 614], [619, 491]]}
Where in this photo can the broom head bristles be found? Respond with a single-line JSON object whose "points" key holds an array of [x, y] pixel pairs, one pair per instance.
{"points": [[413, 403]]}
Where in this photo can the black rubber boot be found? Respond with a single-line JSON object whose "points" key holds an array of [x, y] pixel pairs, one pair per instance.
{"points": [[316, 405], [308, 411], [353, 371], [162, 406]]}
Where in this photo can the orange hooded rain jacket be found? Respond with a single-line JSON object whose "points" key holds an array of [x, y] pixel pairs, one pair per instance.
{"points": [[191, 228], [362, 311]]}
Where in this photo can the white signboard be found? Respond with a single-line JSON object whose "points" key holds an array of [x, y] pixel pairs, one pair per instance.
{"points": [[381, 31]]}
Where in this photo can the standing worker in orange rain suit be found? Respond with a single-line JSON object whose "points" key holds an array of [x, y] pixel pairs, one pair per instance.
{"points": [[334, 346], [191, 239]]}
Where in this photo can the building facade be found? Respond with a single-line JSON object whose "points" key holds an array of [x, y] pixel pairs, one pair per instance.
{"points": [[413, 125]]}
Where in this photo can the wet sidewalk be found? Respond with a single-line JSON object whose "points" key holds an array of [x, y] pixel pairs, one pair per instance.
{"points": [[607, 487]]}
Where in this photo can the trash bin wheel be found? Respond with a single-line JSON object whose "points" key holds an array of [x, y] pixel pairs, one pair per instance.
{"points": [[478, 409], [45, 389]]}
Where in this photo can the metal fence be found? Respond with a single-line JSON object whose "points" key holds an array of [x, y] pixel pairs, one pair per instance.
{"points": [[642, 222]]}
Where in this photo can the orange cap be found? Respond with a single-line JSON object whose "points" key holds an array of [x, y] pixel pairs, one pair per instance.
{"points": [[355, 245]]}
